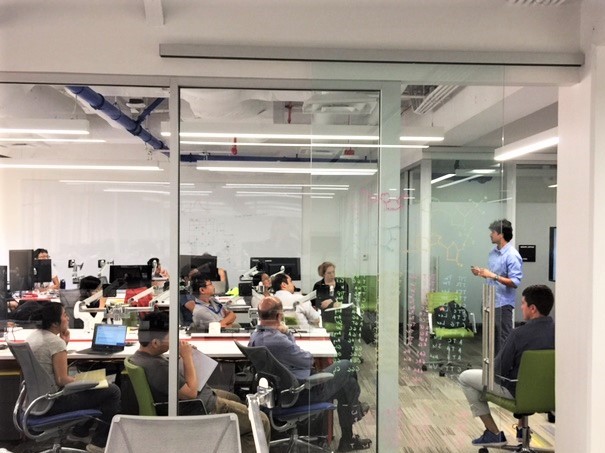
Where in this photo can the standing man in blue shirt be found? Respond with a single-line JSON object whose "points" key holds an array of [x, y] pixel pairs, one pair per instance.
{"points": [[504, 270]]}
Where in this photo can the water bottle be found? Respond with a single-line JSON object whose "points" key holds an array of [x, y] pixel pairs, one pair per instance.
{"points": [[62, 284]]}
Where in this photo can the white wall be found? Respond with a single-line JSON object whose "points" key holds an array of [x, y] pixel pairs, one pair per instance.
{"points": [[113, 37], [533, 227], [84, 223]]}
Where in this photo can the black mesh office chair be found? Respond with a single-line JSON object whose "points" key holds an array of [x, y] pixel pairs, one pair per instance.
{"points": [[288, 405], [37, 395]]}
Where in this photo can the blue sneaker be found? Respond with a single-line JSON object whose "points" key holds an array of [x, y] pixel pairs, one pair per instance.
{"points": [[489, 439], [520, 433]]}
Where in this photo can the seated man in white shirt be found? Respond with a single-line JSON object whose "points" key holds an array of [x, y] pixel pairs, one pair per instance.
{"points": [[283, 288]]}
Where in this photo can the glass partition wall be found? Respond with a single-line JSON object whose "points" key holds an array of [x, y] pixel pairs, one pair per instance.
{"points": [[276, 182], [296, 179]]}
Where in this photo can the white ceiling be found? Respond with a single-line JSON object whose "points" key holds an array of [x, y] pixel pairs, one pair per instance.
{"points": [[475, 119]]}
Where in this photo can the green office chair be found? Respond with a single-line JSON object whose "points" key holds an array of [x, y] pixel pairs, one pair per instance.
{"points": [[450, 334], [535, 393], [147, 406]]}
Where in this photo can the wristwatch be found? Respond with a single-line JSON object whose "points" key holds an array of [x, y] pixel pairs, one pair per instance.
{"points": [[496, 277]]}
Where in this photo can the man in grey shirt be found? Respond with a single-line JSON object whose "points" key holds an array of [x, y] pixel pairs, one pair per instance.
{"points": [[153, 344]]}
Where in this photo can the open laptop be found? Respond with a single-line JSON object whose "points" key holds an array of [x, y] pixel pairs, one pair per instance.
{"points": [[107, 339]]}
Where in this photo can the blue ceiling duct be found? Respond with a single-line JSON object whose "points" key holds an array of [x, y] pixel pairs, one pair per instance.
{"points": [[98, 102]]}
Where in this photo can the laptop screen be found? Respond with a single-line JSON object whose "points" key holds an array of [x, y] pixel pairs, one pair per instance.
{"points": [[108, 336]]}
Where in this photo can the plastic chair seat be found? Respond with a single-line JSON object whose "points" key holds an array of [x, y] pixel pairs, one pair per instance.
{"points": [[535, 391], [443, 333]]}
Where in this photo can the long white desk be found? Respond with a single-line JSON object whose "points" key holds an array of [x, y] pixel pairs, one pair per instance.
{"points": [[221, 346]]}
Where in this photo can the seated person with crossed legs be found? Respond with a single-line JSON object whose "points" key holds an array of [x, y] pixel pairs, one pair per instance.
{"points": [[275, 336], [153, 344], [537, 333]]}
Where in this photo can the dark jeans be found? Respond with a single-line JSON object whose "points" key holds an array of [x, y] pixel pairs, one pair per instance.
{"points": [[503, 327], [106, 400], [343, 387]]}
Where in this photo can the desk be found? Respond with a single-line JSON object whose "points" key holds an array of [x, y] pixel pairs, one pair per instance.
{"points": [[220, 346]]}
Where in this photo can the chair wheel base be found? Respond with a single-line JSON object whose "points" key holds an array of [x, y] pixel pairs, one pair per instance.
{"points": [[483, 450]]}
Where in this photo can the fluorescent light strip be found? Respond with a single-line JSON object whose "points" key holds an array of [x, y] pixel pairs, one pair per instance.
{"points": [[81, 167], [321, 197], [537, 142], [298, 145], [443, 178], [190, 192], [293, 170], [285, 186], [283, 193], [9, 130], [459, 181], [136, 191], [272, 194], [501, 199], [528, 149], [147, 183], [273, 136], [552, 186], [483, 171], [51, 140], [403, 138]]}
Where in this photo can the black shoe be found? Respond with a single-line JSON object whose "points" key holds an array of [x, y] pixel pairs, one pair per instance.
{"points": [[359, 410], [356, 443]]}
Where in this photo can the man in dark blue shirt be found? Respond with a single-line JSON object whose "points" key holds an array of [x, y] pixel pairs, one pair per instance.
{"points": [[537, 333]]}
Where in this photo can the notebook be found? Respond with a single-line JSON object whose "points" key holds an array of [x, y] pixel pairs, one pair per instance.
{"points": [[107, 339]]}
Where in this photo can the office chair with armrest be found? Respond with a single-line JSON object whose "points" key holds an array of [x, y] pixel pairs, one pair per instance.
{"points": [[450, 334], [285, 406], [207, 433], [535, 393], [69, 298], [147, 406], [36, 398]]}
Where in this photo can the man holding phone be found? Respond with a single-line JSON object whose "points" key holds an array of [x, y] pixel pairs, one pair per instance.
{"points": [[504, 270]]}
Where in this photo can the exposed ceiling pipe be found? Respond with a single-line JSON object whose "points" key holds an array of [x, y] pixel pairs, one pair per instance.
{"points": [[435, 98], [98, 102]]}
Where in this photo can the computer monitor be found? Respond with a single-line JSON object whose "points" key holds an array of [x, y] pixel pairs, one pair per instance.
{"points": [[43, 271], [273, 266], [21, 270], [132, 276], [206, 264], [3, 298]]}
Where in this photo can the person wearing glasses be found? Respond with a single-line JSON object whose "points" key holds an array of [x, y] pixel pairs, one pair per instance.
{"points": [[42, 254], [207, 307]]}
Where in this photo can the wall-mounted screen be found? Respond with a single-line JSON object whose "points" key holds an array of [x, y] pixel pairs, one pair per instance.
{"points": [[3, 298], [552, 255]]}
